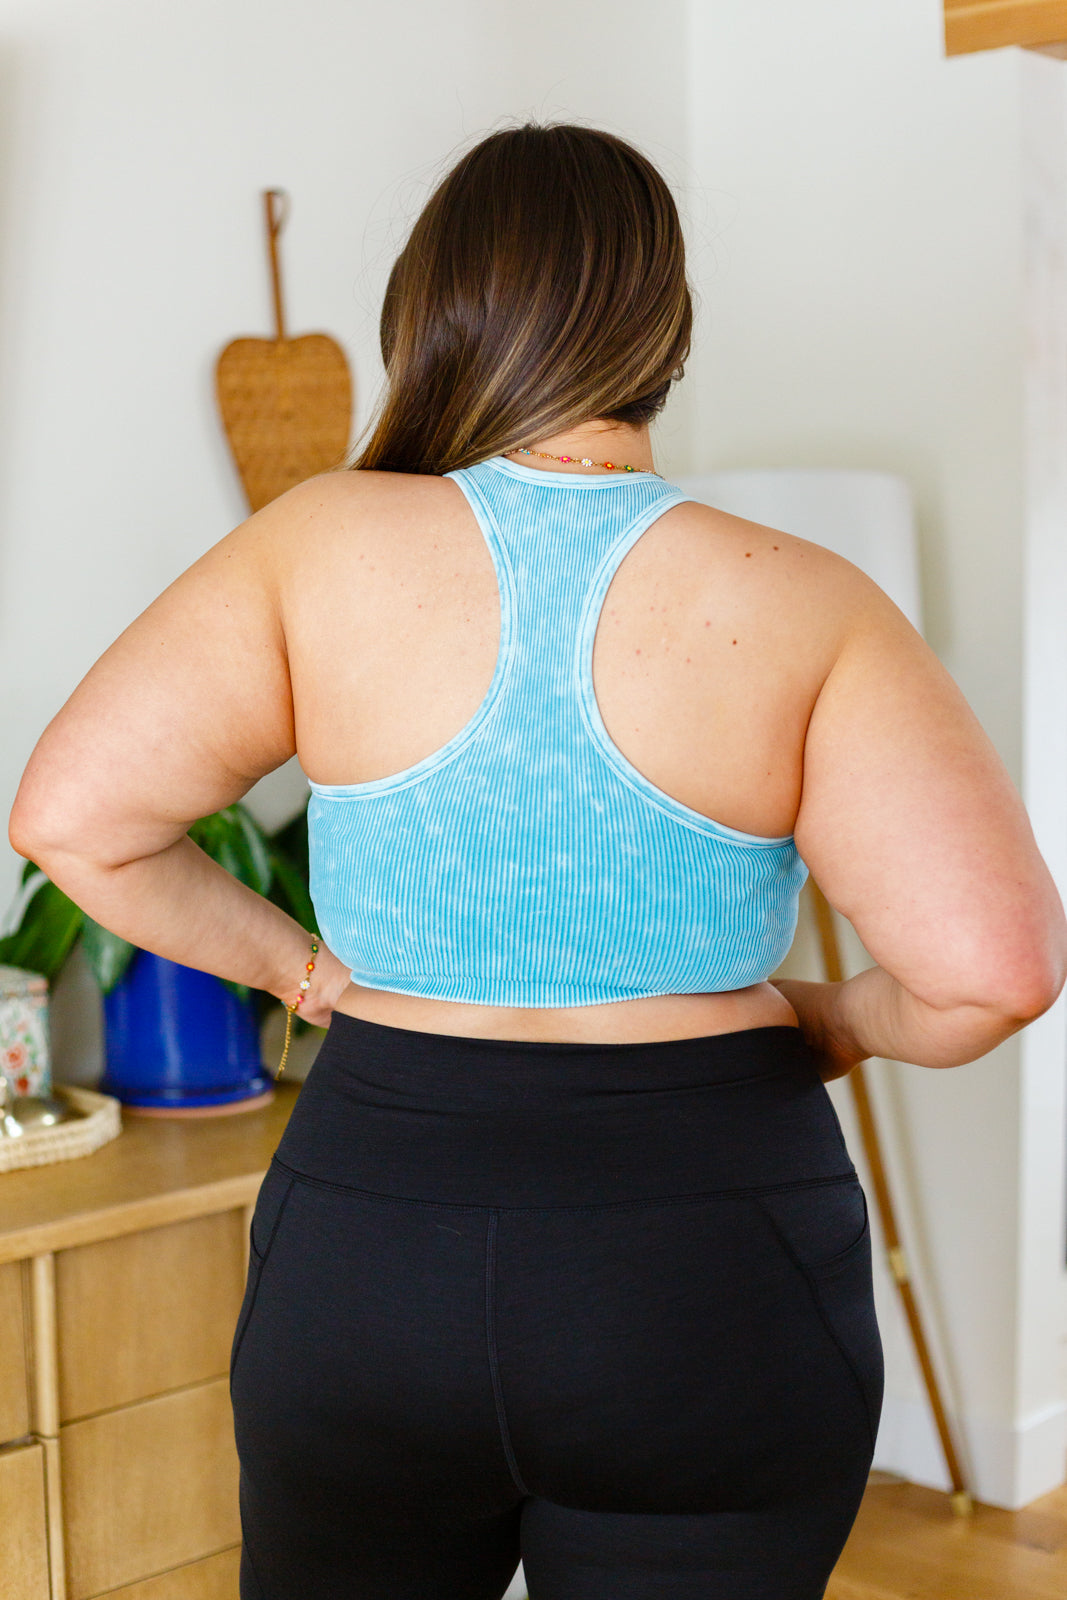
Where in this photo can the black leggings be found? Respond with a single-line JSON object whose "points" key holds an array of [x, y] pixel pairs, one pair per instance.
{"points": [[604, 1307]]}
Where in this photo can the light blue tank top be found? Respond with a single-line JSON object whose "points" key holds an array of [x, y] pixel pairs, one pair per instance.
{"points": [[527, 862]]}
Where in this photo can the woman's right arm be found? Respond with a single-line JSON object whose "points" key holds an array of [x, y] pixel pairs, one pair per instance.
{"points": [[912, 828]]}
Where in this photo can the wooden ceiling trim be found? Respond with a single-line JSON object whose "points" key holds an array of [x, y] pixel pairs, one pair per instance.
{"points": [[991, 24]]}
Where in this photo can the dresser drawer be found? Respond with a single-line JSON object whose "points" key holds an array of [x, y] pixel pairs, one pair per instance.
{"points": [[14, 1377], [148, 1487], [212, 1579], [147, 1312], [23, 1526]]}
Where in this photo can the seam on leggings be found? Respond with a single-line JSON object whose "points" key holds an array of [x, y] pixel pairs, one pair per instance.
{"points": [[825, 1319], [259, 1262], [255, 1574], [594, 1205], [274, 1226], [490, 1339]]}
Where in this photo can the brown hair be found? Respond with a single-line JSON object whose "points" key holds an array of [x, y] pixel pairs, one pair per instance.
{"points": [[543, 285]]}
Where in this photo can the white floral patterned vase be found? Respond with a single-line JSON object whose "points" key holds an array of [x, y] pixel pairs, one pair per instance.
{"points": [[25, 1056]]}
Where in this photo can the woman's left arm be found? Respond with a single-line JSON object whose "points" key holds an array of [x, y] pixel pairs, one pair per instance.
{"points": [[188, 708]]}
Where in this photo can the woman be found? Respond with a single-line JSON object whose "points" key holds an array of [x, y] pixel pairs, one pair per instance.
{"points": [[561, 1254]]}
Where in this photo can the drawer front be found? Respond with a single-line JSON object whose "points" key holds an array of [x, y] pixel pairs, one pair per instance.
{"points": [[213, 1579], [148, 1487], [23, 1528], [14, 1380], [147, 1312]]}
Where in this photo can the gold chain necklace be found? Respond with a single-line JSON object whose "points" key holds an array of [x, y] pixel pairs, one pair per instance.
{"points": [[582, 461]]}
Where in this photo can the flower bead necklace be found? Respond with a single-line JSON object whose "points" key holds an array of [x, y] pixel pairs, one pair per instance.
{"points": [[581, 461]]}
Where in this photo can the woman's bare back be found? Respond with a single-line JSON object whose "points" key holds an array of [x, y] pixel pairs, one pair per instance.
{"points": [[707, 662]]}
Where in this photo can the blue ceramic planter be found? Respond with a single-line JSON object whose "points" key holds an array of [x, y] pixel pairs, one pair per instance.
{"points": [[176, 1038]]}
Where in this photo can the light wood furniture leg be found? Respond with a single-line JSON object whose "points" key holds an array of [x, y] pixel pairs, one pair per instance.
{"points": [[44, 1355], [54, 1511]]}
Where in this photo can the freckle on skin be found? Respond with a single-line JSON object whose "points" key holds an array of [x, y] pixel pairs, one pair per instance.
{"points": [[747, 554], [733, 641]]}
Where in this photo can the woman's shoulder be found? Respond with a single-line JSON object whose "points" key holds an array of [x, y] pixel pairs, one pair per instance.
{"points": [[798, 587], [339, 487], [798, 559], [345, 505]]}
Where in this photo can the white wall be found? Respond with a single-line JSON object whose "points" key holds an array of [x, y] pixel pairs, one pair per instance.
{"points": [[861, 262]]}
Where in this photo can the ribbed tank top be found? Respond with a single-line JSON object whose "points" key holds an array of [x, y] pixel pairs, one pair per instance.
{"points": [[527, 862]]}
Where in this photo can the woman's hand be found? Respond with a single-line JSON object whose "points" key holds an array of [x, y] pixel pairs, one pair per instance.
{"points": [[835, 1051], [329, 981]]}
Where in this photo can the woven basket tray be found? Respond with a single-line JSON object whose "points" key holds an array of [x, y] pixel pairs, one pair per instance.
{"points": [[100, 1120]]}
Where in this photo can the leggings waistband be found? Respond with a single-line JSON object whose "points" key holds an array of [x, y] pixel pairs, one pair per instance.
{"points": [[500, 1122]]}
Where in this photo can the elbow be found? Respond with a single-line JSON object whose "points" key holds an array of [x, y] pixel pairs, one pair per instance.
{"points": [[1034, 984], [998, 1000], [1033, 999], [34, 835], [69, 836], [1049, 967], [20, 835]]}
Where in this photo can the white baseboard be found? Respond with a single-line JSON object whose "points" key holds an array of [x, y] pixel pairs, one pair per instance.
{"points": [[1004, 1465]]}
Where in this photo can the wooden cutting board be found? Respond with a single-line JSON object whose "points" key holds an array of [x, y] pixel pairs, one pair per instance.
{"points": [[286, 404]]}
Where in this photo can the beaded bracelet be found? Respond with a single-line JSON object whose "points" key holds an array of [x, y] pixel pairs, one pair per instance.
{"points": [[290, 1006]]}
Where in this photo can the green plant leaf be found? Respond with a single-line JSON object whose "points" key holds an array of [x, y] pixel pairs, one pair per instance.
{"points": [[258, 851], [234, 839], [241, 990], [207, 833], [290, 891], [228, 854], [291, 839], [108, 955], [47, 932]]}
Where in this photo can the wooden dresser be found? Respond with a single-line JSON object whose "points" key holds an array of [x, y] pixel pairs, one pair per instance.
{"points": [[121, 1276]]}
